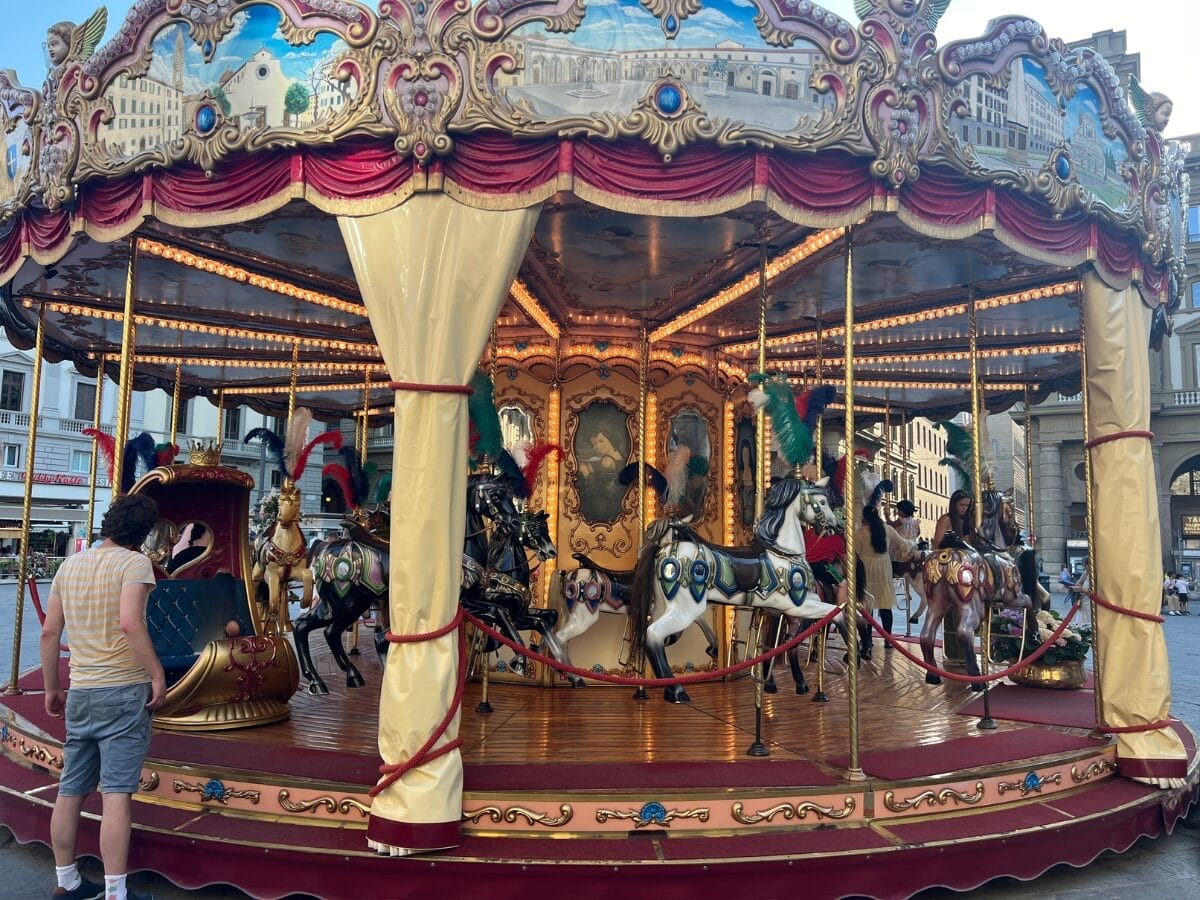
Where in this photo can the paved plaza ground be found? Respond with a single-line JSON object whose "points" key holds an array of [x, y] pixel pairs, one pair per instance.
{"points": [[1166, 869]]}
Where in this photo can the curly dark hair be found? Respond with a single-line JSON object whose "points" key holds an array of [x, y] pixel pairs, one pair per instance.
{"points": [[129, 519]]}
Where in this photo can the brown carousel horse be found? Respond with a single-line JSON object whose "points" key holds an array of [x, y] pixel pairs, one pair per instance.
{"points": [[969, 574], [281, 555]]}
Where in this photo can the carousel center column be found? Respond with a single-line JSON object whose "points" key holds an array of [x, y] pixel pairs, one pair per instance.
{"points": [[433, 274], [1127, 556]]}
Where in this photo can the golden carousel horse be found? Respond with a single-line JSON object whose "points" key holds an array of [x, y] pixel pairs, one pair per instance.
{"points": [[281, 555]]}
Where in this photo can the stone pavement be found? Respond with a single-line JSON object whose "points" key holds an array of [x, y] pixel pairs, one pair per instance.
{"points": [[1165, 869]]}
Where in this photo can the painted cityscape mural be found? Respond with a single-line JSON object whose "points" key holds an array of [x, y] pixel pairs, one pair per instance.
{"points": [[256, 78], [1025, 125], [619, 49]]}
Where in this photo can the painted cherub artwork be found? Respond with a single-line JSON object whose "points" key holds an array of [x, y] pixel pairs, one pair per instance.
{"points": [[929, 10], [67, 42], [1152, 109]]}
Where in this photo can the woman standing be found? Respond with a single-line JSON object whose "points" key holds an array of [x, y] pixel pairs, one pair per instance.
{"points": [[877, 545]]}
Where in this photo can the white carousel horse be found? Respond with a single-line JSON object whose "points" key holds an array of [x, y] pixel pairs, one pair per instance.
{"points": [[281, 555], [685, 573]]}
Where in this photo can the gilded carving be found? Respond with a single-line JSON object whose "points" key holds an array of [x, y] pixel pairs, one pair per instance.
{"points": [[1100, 767], [329, 804], [652, 813], [1030, 784], [214, 789], [510, 814], [149, 783], [789, 811], [933, 798]]}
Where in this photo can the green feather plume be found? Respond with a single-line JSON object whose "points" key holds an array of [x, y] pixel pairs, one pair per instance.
{"points": [[793, 439], [481, 408], [960, 450]]}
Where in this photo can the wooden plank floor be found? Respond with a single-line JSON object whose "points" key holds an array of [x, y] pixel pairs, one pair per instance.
{"points": [[605, 724]]}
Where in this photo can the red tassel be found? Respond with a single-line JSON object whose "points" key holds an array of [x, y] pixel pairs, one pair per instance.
{"points": [[331, 438], [107, 445], [537, 455], [341, 475]]}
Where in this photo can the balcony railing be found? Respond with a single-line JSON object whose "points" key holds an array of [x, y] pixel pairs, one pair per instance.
{"points": [[1187, 398]]}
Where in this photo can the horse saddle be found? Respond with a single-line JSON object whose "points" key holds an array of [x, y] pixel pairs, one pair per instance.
{"points": [[360, 534], [618, 576]]}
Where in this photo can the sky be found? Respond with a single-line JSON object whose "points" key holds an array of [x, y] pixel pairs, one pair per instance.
{"points": [[1164, 32]]}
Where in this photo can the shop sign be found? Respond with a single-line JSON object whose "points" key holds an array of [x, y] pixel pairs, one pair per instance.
{"points": [[1191, 526], [43, 477]]}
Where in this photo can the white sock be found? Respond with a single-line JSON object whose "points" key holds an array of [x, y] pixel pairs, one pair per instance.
{"points": [[114, 887], [68, 877]]}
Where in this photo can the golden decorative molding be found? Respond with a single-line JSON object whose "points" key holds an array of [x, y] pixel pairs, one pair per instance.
{"points": [[1030, 784], [329, 804], [652, 813], [933, 798], [149, 783], [510, 815], [1100, 767], [791, 811], [214, 789]]}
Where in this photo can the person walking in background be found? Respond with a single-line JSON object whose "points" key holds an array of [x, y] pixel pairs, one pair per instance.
{"points": [[117, 680], [908, 526], [1181, 588], [1171, 593]]}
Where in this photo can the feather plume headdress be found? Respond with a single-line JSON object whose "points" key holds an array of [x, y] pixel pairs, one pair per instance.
{"points": [[140, 449], [292, 455], [792, 418], [960, 452]]}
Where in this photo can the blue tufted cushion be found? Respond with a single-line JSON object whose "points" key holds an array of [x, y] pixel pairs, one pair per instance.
{"points": [[184, 614]]}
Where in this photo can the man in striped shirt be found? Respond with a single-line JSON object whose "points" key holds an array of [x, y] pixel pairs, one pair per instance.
{"points": [[99, 596]]}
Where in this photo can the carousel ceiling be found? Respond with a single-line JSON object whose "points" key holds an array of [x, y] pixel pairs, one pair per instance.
{"points": [[230, 306]]}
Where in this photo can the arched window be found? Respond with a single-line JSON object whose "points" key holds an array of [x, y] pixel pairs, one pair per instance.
{"points": [[1186, 482]]}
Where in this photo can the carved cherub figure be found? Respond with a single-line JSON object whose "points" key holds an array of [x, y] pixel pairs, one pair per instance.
{"points": [[1152, 109], [929, 10], [68, 41]]}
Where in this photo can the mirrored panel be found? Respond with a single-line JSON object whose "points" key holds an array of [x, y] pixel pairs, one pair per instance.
{"points": [[744, 481]]}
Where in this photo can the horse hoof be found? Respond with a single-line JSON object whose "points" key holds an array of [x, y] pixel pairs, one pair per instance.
{"points": [[771, 687], [977, 688], [352, 682], [801, 689], [676, 694], [316, 687], [713, 652], [577, 682], [354, 651], [930, 678]]}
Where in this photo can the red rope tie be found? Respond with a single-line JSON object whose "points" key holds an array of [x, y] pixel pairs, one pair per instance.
{"points": [[976, 679], [420, 388], [1120, 435], [1134, 729], [428, 635], [632, 681], [1125, 611]]}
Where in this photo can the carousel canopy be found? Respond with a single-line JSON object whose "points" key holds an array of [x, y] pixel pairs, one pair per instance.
{"points": [[690, 158]]}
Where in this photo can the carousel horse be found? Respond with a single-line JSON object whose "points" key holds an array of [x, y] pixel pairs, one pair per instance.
{"points": [[970, 575], [281, 555], [685, 573], [350, 576]]}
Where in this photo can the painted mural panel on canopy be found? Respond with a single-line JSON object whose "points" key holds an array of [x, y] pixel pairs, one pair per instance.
{"points": [[609, 64], [14, 168], [253, 80], [1019, 122]]}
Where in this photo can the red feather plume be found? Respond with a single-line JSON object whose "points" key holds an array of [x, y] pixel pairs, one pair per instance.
{"points": [[341, 475], [106, 444], [840, 476], [537, 455], [165, 455], [331, 438]]}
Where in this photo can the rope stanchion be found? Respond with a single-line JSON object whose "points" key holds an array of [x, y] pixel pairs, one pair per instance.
{"points": [[653, 682], [418, 387], [1118, 436], [976, 679], [425, 753], [1125, 611]]}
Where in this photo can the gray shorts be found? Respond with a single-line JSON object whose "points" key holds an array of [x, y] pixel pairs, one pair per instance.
{"points": [[108, 734]]}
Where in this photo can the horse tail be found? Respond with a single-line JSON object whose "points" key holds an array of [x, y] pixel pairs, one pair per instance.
{"points": [[555, 594], [641, 603], [1027, 566]]}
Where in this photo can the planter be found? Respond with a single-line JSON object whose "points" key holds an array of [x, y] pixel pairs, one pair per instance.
{"points": [[1067, 676]]}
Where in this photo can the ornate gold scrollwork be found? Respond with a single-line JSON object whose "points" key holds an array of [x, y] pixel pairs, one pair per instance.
{"points": [[510, 814], [653, 813], [329, 804], [933, 798], [1097, 768], [791, 811], [1030, 784], [149, 783], [213, 789]]}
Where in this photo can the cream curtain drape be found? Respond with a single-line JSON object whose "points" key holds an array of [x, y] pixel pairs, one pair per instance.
{"points": [[1134, 677], [433, 274]]}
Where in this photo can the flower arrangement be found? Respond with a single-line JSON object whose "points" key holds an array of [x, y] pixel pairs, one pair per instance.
{"points": [[268, 509], [1073, 644]]}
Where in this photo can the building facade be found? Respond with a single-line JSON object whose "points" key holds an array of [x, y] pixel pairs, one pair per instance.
{"points": [[146, 112]]}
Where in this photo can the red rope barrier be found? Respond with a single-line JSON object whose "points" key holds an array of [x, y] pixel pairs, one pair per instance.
{"points": [[1117, 436], [425, 753], [420, 388], [977, 679], [653, 682], [1134, 729], [428, 635], [1125, 611]]}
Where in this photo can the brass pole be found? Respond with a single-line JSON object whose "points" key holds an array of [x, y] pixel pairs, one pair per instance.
{"points": [[362, 446], [819, 437], [1030, 531], [35, 392], [760, 417], [643, 390], [855, 770], [1089, 509], [94, 464], [292, 383], [220, 423], [986, 723], [125, 373], [175, 402]]}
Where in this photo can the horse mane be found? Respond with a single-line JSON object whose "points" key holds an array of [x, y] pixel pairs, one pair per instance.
{"points": [[781, 496], [1027, 566]]}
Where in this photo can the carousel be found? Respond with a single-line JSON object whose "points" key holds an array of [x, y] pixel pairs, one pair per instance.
{"points": [[616, 281]]}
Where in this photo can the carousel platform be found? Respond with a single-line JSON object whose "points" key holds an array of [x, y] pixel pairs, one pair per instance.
{"points": [[582, 791]]}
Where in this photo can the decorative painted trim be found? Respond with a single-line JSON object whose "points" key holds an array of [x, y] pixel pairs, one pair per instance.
{"points": [[1100, 767], [652, 813], [791, 811], [149, 783], [330, 805], [214, 789], [933, 798], [510, 814], [1031, 783]]}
